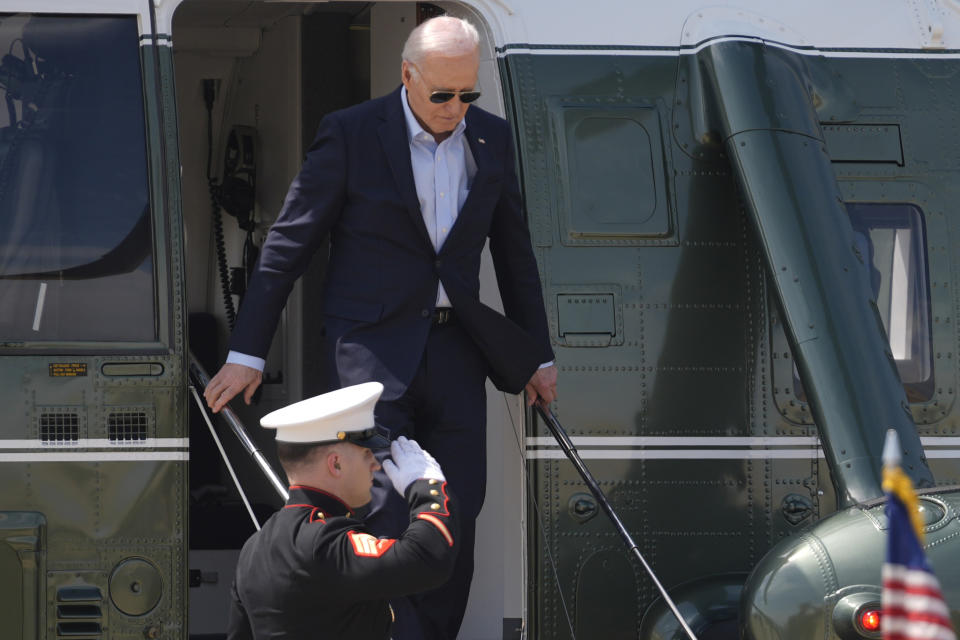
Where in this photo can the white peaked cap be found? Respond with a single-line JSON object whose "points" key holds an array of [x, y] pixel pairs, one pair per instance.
{"points": [[329, 417]]}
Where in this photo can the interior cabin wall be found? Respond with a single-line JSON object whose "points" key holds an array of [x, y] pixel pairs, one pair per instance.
{"points": [[258, 74], [392, 22]]}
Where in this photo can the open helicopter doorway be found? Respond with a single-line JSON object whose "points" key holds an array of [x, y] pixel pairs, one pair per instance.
{"points": [[253, 80]]}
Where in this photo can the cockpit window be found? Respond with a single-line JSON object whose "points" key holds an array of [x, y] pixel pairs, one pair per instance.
{"points": [[76, 245], [891, 240]]}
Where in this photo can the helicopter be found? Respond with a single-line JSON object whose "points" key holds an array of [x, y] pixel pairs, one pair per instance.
{"points": [[742, 218]]}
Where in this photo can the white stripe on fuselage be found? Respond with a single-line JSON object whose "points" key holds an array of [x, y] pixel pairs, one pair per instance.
{"points": [[98, 443], [95, 456], [693, 448]]}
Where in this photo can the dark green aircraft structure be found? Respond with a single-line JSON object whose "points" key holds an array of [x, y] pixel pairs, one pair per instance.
{"points": [[743, 262], [749, 253]]}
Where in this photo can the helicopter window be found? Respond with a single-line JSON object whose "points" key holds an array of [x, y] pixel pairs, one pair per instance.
{"points": [[611, 188], [891, 240], [76, 243]]}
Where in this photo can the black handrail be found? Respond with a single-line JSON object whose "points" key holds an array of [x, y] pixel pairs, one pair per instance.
{"points": [[560, 435]]}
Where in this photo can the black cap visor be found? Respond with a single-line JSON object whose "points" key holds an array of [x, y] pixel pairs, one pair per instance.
{"points": [[373, 438]]}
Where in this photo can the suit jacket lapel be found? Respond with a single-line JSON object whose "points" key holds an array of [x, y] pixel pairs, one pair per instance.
{"points": [[480, 151], [482, 155], [396, 147]]}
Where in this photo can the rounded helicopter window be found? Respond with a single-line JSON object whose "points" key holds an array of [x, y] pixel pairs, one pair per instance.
{"points": [[892, 241], [76, 243]]}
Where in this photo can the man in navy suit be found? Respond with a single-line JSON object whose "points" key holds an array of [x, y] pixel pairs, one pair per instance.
{"points": [[409, 187]]}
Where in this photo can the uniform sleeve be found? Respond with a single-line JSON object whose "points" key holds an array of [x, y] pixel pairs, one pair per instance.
{"points": [[238, 625], [517, 276], [313, 205], [422, 558]]}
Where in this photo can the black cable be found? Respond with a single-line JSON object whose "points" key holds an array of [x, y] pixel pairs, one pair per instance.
{"points": [[222, 269], [209, 92]]}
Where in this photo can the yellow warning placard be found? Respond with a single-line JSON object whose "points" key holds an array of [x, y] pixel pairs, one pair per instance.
{"points": [[67, 369]]}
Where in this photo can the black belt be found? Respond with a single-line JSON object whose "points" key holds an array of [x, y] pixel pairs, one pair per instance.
{"points": [[442, 315]]}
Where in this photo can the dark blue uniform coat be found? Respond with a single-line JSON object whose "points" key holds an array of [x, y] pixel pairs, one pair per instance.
{"points": [[313, 572]]}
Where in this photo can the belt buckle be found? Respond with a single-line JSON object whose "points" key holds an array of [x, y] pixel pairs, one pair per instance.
{"points": [[443, 315]]}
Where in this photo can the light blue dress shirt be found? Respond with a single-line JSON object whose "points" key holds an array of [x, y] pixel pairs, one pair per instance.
{"points": [[443, 174]]}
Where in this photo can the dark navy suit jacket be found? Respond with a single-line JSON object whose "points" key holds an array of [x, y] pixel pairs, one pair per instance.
{"points": [[356, 185]]}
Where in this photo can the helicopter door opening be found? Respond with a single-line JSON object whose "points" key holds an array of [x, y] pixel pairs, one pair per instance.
{"points": [[253, 81]]}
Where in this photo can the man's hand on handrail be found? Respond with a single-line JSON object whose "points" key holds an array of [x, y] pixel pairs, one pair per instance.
{"points": [[231, 380], [542, 386]]}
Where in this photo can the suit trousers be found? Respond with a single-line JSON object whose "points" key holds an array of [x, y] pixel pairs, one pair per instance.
{"points": [[444, 409]]}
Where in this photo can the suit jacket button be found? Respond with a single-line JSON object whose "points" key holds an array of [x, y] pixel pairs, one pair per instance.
{"points": [[437, 263], [434, 506], [425, 313]]}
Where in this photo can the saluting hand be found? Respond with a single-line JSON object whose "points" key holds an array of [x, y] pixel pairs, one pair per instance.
{"points": [[410, 463], [542, 386], [229, 381]]}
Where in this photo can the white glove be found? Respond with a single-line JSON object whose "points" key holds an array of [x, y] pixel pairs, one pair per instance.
{"points": [[409, 463]]}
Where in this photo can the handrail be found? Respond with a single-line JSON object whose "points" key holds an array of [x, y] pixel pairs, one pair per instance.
{"points": [[560, 435], [201, 379]]}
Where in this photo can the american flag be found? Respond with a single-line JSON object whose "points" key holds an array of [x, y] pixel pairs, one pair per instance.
{"points": [[913, 606]]}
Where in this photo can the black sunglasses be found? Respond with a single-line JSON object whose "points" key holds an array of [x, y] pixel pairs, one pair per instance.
{"points": [[466, 97]]}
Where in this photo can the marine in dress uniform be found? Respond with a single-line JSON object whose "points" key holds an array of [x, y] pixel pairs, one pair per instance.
{"points": [[313, 570]]}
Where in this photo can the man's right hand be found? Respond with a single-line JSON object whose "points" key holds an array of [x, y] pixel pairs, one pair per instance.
{"points": [[410, 463], [229, 381]]}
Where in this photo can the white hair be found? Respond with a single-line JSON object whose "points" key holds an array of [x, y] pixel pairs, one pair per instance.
{"points": [[445, 35]]}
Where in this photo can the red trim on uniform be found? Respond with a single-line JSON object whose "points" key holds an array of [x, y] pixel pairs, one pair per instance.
{"points": [[446, 499], [435, 521], [313, 511], [320, 491], [365, 545], [432, 516]]}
